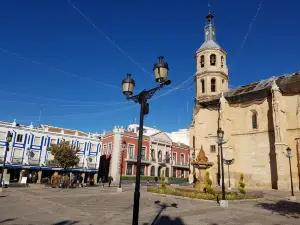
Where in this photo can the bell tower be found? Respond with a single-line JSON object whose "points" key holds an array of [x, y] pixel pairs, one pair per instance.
{"points": [[211, 75]]}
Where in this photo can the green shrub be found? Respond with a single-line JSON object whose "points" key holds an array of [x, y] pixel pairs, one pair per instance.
{"points": [[208, 183], [242, 185], [202, 195]]}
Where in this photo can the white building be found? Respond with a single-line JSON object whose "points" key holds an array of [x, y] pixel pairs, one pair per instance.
{"points": [[180, 136], [28, 150]]}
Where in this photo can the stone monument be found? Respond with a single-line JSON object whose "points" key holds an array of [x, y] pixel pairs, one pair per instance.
{"points": [[202, 164]]}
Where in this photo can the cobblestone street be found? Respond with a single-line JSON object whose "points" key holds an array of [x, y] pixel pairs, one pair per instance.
{"points": [[98, 205]]}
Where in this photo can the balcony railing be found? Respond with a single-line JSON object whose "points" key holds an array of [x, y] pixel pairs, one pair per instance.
{"points": [[181, 164], [79, 165], [51, 163], [92, 165], [161, 161], [33, 161], [133, 158], [17, 161]]}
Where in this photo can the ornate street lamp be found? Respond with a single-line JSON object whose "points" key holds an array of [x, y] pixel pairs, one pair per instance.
{"points": [[229, 162], [8, 140], [289, 156], [122, 150], [161, 76], [220, 138]]}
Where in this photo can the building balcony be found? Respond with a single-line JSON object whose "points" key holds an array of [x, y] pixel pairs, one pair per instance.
{"points": [[92, 165], [17, 161], [34, 162], [162, 161], [79, 165], [133, 158], [180, 164], [51, 163]]}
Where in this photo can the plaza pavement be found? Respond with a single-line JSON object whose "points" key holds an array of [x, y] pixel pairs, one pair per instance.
{"points": [[96, 205]]}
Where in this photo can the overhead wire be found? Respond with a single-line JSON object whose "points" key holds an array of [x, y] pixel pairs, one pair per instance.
{"points": [[109, 39], [247, 33], [57, 69]]}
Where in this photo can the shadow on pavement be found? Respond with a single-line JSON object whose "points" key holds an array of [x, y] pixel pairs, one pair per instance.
{"points": [[66, 222], [165, 219], [283, 208], [7, 220]]}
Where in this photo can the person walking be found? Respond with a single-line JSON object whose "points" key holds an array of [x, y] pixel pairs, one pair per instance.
{"points": [[110, 179], [103, 181], [80, 181]]}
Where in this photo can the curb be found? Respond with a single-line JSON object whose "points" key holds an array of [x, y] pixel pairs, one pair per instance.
{"points": [[204, 200]]}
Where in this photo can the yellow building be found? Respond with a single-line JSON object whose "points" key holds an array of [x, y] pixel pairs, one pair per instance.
{"points": [[260, 121]]}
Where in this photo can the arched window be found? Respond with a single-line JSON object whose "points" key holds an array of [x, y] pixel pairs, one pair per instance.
{"points": [[202, 61], [213, 85], [152, 173], [159, 154], [254, 120], [212, 59], [222, 61], [203, 86]]}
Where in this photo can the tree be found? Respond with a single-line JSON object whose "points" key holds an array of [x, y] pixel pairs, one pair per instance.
{"points": [[64, 154], [242, 184]]}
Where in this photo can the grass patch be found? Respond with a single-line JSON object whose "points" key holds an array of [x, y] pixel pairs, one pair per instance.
{"points": [[192, 193]]}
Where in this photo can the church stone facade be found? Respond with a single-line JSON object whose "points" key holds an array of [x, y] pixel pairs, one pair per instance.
{"points": [[260, 120]]}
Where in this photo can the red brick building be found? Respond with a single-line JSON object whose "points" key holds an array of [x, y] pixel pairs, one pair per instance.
{"points": [[158, 152]]}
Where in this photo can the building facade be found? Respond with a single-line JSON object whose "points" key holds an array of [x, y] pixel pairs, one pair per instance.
{"points": [[182, 135], [157, 153], [28, 150], [260, 121]]}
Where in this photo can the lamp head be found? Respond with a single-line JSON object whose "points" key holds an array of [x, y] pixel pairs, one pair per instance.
{"points": [[161, 69], [9, 137], [128, 85], [220, 134], [289, 152]]}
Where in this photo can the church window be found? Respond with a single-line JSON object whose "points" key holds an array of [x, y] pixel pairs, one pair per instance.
{"points": [[212, 59], [213, 148], [254, 120], [213, 85], [202, 61], [222, 61], [203, 86]]}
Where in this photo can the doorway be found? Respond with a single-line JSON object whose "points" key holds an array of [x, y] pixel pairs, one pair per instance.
{"points": [[104, 167]]}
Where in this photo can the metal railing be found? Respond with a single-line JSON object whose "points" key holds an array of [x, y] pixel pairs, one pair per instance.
{"points": [[134, 158], [180, 163], [92, 165], [33, 161], [51, 163], [17, 160], [79, 165]]}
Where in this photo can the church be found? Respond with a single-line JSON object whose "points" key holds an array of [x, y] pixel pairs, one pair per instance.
{"points": [[260, 121]]}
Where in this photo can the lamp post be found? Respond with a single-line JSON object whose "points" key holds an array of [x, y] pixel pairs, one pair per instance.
{"points": [[121, 171], [229, 162], [8, 140], [161, 76], [289, 156], [194, 156], [220, 135]]}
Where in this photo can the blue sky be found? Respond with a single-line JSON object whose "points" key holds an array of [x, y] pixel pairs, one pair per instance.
{"points": [[63, 61]]}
